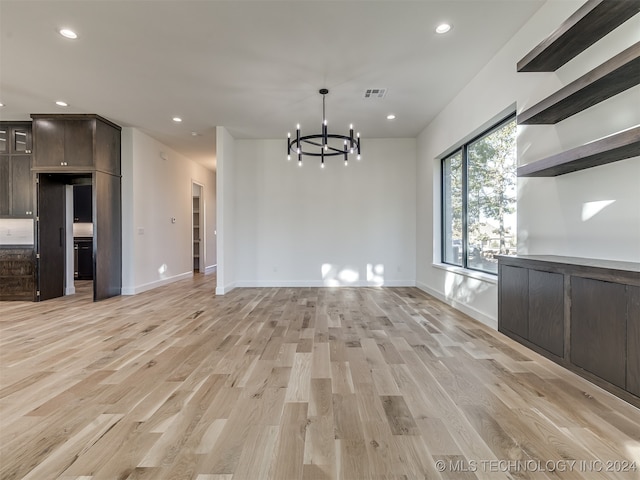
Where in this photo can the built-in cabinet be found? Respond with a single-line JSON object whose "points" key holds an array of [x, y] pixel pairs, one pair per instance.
{"points": [[68, 147], [16, 181], [75, 143], [584, 314], [17, 273]]}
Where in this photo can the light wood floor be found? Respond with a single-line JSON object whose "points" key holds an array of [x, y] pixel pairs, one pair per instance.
{"points": [[287, 384]]}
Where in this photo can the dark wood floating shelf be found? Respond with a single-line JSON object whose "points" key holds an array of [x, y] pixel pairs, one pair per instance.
{"points": [[612, 77], [586, 26], [625, 144]]}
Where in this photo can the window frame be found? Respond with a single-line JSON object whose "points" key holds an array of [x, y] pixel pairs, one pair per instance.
{"points": [[463, 148]]}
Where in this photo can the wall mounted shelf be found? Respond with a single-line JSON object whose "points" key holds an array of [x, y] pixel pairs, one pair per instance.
{"points": [[612, 77], [625, 144], [586, 26]]}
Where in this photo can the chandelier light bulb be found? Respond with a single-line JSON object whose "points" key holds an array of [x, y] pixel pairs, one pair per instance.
{"points": [[322, 165], [358, 157], [346, 163], [288, 157]]}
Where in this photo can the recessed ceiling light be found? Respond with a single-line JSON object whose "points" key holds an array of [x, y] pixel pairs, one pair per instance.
{"points": [[1, 104], [391, 116], [65, 32], [443, 28], [177, 119], [60, 103]]}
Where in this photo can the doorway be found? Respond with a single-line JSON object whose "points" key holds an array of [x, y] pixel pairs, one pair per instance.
{"points": [[64, 246], [197, 227]]}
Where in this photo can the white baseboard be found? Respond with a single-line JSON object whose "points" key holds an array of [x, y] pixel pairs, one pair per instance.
{"points": [[466, 309], [211, 269], [70, 290], [155, 284], [225, 289], [319, 283]]}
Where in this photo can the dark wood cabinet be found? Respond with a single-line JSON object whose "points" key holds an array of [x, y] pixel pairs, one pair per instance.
{"points": [[83, 249], [599, 328], [82, 204], [15, 137], [532, 306], [581, 313], [546, 311], [514, 300], [17, 274], [5, 186], [633, 340], [75, 143], [16, 180], [21, 186]]}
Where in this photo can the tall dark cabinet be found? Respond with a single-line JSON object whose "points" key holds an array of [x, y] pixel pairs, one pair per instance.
{"points": [[67, 146], [17, 268]]}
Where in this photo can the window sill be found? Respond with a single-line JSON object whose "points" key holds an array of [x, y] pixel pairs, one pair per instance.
{"points": [[485, 277]]}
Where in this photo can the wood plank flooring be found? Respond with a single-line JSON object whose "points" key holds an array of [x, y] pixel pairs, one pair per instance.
{"points": [[288, 384]]}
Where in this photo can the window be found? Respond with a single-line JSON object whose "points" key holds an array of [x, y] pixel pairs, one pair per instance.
{"points": [[479, 199]]}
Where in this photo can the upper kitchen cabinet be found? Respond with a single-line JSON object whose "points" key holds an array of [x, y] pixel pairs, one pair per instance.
{"points": [[75, 143], [15, 138], [16, 181]]}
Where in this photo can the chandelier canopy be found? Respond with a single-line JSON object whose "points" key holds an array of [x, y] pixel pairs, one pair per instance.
{"points": [[323, 144]]}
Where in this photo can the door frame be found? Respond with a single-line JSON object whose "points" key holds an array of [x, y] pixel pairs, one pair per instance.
{"points": [[201, 226]]}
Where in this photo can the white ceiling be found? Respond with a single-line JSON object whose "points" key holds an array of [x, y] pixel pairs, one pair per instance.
{"points": [[254, 67]]}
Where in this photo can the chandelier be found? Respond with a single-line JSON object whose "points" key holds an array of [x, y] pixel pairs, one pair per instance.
{"points": [[323, 144]]}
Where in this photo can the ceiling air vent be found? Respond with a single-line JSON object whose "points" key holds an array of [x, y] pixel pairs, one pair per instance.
{"points": [[375, 92]]}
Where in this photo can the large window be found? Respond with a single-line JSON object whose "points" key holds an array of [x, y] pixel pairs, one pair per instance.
{"points": [[479, 200]]}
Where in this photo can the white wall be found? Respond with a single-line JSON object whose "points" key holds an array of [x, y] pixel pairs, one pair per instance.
{"points": [[550, 210], [299, 226], [157, 187], [225, 206]]}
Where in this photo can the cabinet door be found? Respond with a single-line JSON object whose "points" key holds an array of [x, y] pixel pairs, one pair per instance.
{"points": [[82, 211], [85, 260], [633, 340], [21, 186], [21, 140], [546, 311], [5, 139], [49, 140], [78, 143], [107, 155], [514, 302], [599, 328], [5, 184]]}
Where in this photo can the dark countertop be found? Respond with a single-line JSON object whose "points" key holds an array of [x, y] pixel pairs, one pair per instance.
{"points": [[576, 261]]}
